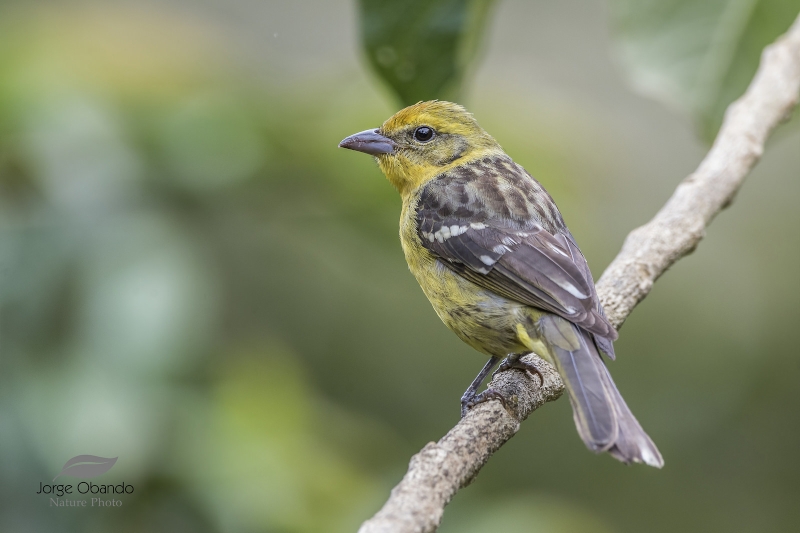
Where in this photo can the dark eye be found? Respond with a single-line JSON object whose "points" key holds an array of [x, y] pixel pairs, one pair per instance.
{"points": [[423, 134]]}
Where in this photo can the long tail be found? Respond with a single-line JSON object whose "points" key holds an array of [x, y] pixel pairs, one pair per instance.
{"points": [[602, 417]]}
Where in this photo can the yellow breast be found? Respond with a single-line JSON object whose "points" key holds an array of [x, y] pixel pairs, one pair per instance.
{"points": [[481, 318]]}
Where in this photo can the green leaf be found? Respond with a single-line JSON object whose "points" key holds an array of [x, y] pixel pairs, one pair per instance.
{"points": [[423, 48], [696, 56]]}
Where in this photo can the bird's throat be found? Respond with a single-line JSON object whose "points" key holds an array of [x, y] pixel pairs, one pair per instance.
{"points": [[405, 175]]}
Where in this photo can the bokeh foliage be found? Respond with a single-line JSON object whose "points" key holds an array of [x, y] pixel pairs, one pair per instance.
{"points": [[193, 278], [423, 49], [696, 57]]}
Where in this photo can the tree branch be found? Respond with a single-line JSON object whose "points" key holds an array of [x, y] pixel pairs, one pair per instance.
{"points": [[680, 225], [437, 472]]}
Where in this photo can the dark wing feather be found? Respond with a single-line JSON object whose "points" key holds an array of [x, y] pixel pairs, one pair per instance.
{"points": [[492, 223]]}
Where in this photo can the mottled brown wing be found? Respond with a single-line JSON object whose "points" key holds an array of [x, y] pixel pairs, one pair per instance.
{"points": [[471, 219]]}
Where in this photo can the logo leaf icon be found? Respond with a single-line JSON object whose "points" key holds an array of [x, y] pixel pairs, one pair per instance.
{"points": [[86, 466]]}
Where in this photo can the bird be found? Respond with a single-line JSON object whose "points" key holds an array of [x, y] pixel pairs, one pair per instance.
{"points": [[491, 251]]}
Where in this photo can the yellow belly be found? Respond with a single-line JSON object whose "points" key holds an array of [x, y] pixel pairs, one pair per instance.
{"points": [[486, 321]]}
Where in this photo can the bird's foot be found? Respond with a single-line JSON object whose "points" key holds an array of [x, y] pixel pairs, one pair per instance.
{"points": [[514, 361], [488, 394], [471, 398], [468, 400]]}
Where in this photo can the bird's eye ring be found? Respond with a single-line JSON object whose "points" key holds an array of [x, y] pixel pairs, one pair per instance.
{"points": [[424, 134]]}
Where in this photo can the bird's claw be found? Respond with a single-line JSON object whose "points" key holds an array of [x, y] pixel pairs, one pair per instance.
{"points": [[514, 361], [471, 398], [489, 394]]}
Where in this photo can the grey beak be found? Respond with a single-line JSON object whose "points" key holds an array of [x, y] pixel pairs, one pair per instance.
{"points": [[370, 142]]}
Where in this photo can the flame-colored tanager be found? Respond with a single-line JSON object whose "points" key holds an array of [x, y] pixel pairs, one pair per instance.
{"points": [[490, 250]]}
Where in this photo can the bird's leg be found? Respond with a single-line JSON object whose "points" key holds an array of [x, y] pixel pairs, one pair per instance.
{"points": [[513, 361], [471, 396]]}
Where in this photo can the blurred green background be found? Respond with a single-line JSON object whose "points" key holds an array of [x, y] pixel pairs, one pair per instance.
{"points": [[195, 279]]}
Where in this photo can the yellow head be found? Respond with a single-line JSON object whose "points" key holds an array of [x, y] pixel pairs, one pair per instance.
{"points": [[422, 141]]}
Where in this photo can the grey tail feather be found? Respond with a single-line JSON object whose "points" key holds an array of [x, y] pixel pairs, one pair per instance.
{"points": [[605, 346], [603, 419], [632, 443]]}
